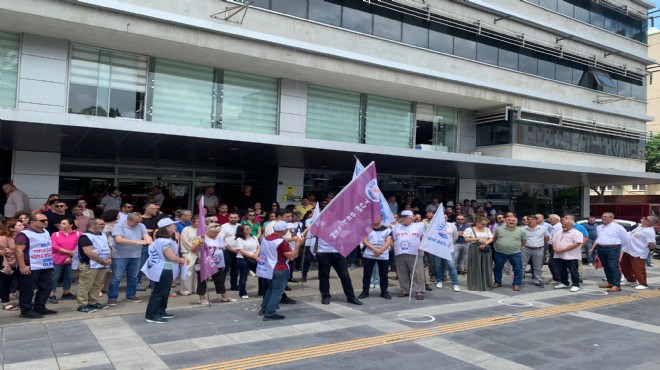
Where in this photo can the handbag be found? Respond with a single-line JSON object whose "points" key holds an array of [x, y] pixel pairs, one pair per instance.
{"points": [[597, 263], [486, 249]]}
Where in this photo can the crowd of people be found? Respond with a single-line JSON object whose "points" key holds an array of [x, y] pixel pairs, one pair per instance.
{"points": [[43, 247]]}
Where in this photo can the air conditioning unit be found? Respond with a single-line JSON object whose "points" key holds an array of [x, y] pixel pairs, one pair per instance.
{"points": [[428, 147]]}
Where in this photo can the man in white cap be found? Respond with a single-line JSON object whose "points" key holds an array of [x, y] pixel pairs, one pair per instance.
{"points": [[407, 237], [273, 265]]}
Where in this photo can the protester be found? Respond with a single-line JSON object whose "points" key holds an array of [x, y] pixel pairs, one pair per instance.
{"points": [[17, 200], [130, 237], [46, 206], [188, 235], [273, 266], [247, 248], [611, 236], [213, 241], [95, 258], [35, 262], [441, 263], [376, 254], [509, 240], [110, 218], [480, 261], [161, 268], [633, 260], [64, 244], [567, 245], [9, 272], [537, 238], [407, 237]]}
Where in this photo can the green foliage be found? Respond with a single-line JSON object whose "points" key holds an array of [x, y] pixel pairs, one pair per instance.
{"points": [[653, 154]]}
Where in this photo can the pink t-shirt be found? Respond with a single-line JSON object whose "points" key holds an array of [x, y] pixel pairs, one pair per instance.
{"points": [[563, 239], [60, 241]]}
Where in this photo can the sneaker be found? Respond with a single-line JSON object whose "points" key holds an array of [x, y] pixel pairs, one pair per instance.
{"points": [[650, 265], [134, 299], [386, 295], [591, 265], [539, 284], [45, 311], [575, 289], [352, 267], [52, 299], [363, 295], [457, 288], [245, 296], [261, 312], [157, 320], [99, 306], [273, 317], [31, 315], [560, 286], [167, 316], [86, 309], [112, 302], [68, 296], [252, 273], [141, 288], [641, 287], [438, 285]]}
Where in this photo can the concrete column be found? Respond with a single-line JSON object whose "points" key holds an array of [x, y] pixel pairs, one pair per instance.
{"points": [[467, 189], [585, 201], [293, 108], [290, 185], [37, 174], [43, 74]]}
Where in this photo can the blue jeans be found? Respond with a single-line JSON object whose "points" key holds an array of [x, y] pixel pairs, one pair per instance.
{"points": [[609, 257], [243, 269], [132, 268], [515, 260], [66, 273], [375, 278], [440, 264], [274, 293]]}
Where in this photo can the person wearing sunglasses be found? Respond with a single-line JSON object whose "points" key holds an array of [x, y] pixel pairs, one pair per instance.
{"points": [[58, 211], [34, 255]]}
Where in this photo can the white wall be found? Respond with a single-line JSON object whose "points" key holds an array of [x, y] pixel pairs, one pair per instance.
{"points": [[290, 178], [37, 174], [43, 74], [293, 107]]}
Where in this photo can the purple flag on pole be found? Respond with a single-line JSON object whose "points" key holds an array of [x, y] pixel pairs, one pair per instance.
{"points": [[207, 267], [351, 215]]}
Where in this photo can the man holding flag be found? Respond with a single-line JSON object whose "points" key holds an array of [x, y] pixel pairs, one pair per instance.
{"points": [[342, 225], [407, 238], [446, 236]]}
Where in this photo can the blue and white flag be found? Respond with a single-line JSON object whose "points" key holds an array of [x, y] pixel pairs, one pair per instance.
{"points": [[385, 210], [436, 239]]}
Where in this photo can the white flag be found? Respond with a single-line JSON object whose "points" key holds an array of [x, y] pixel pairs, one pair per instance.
{"points": [[436, 239], [385, 210]]}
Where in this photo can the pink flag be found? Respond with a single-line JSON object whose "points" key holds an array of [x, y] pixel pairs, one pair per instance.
{"points": [[207, 267], [351, 215]]}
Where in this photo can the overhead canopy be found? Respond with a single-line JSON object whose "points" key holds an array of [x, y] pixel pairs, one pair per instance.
{"points": [[250, 152]]}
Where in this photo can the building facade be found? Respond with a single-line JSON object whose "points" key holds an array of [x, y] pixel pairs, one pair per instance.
{"points": [[481, 99]]}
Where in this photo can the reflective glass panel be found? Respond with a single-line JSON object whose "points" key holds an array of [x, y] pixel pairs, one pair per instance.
{"points": [[8, 69]]}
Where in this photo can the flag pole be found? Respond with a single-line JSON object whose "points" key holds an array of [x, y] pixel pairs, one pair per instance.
{"points": [[412, 275]]}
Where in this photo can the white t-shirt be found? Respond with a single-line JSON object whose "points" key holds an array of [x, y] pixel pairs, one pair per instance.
{"points": [[250, 245], [407, 238], [377, 239], [228, 234], [471, 232], [639, 242]]}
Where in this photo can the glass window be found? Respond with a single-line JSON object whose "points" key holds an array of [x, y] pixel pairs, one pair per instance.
{"points": [[325, 12], [494, 133], [549, 4], [183, 93], [441, 39], [546, 68], [564, 72], [465, 44], [639, 90], [297, 8], [566, 8], [356, 20], [249, 103], [8, 69], [333, 114], [508, 56], [106, 84], [445, 122], [388, 122], [528, 63], [582, 14], [415, 31], [387, 28], [487, 50], [624, 87]]}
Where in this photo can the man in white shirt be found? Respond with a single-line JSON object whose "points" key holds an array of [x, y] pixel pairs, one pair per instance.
{"points": [[228, 233], [537, 237], [555, 225], [633, 260], [440, 263], [611, 236]]}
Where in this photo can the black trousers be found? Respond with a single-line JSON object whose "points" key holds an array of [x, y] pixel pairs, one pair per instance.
{"points": [[160, 293], [42, 280], [552, 265], [568, 266], [5, 284], [338, 262], [218, 280], [369, 264], [232, 267]]}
